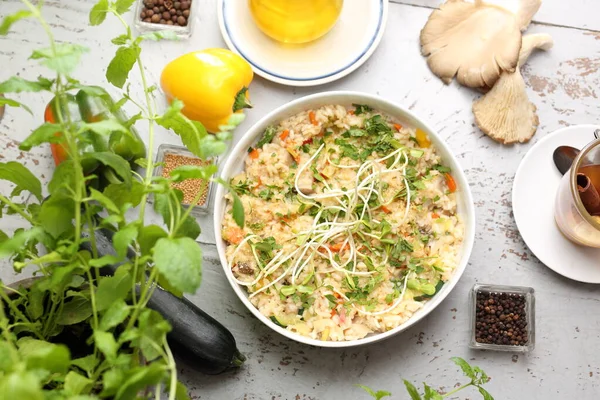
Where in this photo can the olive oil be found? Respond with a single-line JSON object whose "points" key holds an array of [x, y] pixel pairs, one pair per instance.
{"points": [[295, 21]]}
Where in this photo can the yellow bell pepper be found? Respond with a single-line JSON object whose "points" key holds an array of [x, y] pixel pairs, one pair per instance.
{"points": [[212, 84]]}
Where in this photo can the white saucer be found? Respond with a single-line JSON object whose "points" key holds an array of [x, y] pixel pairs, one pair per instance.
{"points": [[346, 47], [538, 178]]}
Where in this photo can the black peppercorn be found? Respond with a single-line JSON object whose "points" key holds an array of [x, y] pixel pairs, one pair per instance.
{"points": [[500, 318]]}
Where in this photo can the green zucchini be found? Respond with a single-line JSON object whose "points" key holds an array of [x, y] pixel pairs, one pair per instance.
{"points": [[196, 338]]}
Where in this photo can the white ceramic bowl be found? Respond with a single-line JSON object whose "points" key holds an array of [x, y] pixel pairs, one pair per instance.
{"points": [[235, 164]]}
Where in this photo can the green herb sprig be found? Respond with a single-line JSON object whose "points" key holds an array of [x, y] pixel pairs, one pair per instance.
{"points": [[477, 377]]}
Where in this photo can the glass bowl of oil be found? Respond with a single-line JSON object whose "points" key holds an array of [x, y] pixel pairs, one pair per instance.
{"points": [[295, 21]]}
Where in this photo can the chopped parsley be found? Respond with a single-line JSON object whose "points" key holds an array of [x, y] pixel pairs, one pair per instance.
{"points": [[361, 109]]}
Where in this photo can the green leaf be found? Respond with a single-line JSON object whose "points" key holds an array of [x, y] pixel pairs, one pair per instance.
{"points": [[121, 194], [21, 385], [3, 236], [193, 172], [119, 67], [18, 174], [16, 84], [18, 241], [153, 331], [159, 35], [40, 354], [486, 395], [380, 394], [117, 163], [147, 237], [105, 127], [112, 380], [9, 20], [63, 177], [120, 40], [122, 6], [114, 315], [104, 200], [6, 362], [87, 363], [123, 239], [75, 311], [191, 132], [35, 307], [64, 61], [56, 215], [412, 390], [238, 210], [431, 394], [189, 227], [104, 261], [267, 136], [138, 379], [181, 392], [14, 103], [180, 262], [76, 384], [466, 368], [98, 12], [105, 342], [45, 133], [113, 288]]}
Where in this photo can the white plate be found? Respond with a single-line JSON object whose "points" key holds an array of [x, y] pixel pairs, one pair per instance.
{"points": [[538, 178], [346, 47], [235, 164]]}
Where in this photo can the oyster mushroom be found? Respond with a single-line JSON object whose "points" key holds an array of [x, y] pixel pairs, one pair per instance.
{"points": [[505, 113], [527, 10], [475, 42]]}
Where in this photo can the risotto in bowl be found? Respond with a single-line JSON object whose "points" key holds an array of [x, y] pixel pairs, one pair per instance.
{"points": [[358, 219]]}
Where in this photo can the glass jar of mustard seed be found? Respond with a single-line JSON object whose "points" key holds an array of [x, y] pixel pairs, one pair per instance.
{"points": [[170, 157], [502, 318], [177, 16]]}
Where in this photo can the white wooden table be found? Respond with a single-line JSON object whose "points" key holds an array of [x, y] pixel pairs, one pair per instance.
{"points": [[563, 83]]}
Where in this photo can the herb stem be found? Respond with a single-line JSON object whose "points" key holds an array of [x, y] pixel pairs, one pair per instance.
{"points": [[173, 368], [457, 389], [93, 299], [4, 297], [16, 209], [4, 325]]}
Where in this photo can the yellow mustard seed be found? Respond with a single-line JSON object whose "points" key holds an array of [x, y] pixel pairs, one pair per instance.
{"points": [[190, 187]]}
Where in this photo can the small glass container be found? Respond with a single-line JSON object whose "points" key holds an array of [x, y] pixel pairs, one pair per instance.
{"points": [[164, 151], [183, 32], [529, 310], [571, 216]]}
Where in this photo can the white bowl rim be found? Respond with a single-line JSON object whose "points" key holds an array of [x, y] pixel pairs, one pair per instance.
{"points": [[232, 163]]}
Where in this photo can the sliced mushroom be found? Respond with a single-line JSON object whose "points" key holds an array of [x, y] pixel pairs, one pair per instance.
{"points": [[475, 42], [505, 113]]}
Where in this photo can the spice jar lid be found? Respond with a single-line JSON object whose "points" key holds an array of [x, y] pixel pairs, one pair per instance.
{"points": [[169, 157], [502, 318]]}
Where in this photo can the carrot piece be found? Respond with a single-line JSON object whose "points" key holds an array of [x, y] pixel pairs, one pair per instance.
{"points": [[254, 154], [450, 182], [386, 210], [313, 118], [233, 235], [398, 127], [337, 295], [435, 215], [351, 112], [333, 312], [284, 135], [338, 247]]}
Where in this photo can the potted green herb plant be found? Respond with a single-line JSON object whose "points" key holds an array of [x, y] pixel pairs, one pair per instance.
{"points": [[77, 332]]}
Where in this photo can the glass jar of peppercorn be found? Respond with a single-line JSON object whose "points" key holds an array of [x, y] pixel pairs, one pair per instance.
{"points": [[160, 15], [502, 318]]}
